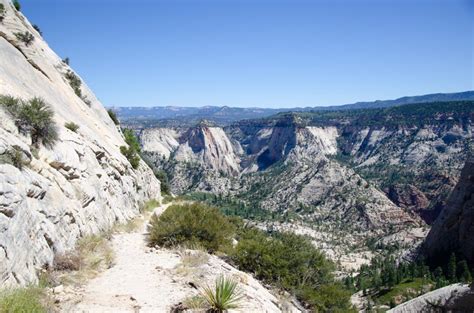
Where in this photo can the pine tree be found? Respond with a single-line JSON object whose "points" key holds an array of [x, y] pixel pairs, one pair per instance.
{"points": [[451, 272], [463, 274]]}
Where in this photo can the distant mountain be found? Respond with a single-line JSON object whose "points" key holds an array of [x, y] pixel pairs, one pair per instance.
{"points": [[142, 117]]}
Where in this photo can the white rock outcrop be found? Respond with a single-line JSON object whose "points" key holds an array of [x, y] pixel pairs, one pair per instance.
{"points": [[82, 185]]}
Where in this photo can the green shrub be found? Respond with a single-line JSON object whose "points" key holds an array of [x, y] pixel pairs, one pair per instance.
{"points": [[190, 225], [22, 300], [36, 27], [113, 116], [10, 104], [224, 296], [13, 156], [2, 12], [75, 82], [26, 37], [327, 298], [149, 205], [36, 117], [285, 259], [291, 262], [71, 126], [33, 117], [17, 5], [132, 152], [163, 178]]}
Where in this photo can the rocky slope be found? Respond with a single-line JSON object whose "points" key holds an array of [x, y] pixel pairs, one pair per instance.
{"points": [[80, 186], [453, 231]]}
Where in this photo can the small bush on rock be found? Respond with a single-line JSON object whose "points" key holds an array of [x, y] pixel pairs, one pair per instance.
{"points": [[191, 225], [75, 82], [71, 126], [10, 104], [36, 27], [113, 116], [36, 117], [14, 156], [26, 37], [17, 5], [2, 12], [132, 152]]}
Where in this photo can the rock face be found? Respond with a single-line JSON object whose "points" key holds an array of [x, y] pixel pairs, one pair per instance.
{"points": [[82, 185], [453, 231], [452, 298]]}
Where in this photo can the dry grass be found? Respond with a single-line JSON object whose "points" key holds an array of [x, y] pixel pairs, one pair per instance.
{"points": [[191, 261], [92, 255], [149, 205], [132, 225]]}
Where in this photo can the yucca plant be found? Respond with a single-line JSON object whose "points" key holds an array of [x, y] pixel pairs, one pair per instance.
{"points": [[224, 296]]}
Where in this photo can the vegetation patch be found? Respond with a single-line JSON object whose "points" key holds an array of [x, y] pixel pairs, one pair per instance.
{"points": [[149, 205], [34, 117], [75, 82], [291, 262], [132, 152], [36, 27], [387, 283], [112, 114], [17, 5], [92, 255], [26, 37], [15, 157], [29, 299], [2, 12], [192, 224], [71, 126]]}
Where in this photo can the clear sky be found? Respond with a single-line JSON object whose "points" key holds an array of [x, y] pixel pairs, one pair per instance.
{"points": [[261, 53]]}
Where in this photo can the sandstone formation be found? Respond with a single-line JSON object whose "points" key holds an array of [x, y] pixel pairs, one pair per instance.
{"points": [[82, 185]]}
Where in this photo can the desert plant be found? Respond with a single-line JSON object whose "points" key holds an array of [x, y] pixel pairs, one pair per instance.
{"points": [[71, 126], [26, 37], [191, 224], [75, 82], [224, 296], [36, 27], [113, 116], [36, 117], [17, 5]]}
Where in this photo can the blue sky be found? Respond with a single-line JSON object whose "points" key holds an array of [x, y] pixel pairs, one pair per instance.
{"points": [[261, 53]]}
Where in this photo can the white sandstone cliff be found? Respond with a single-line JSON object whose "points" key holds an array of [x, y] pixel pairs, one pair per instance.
{"points": [[81, 186]]}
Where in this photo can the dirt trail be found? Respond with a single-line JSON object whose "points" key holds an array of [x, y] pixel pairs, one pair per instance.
{"points": [[140, 280], [145, 279]]}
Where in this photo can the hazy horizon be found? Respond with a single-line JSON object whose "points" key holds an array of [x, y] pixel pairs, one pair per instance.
{"points": [[274, 107]]}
